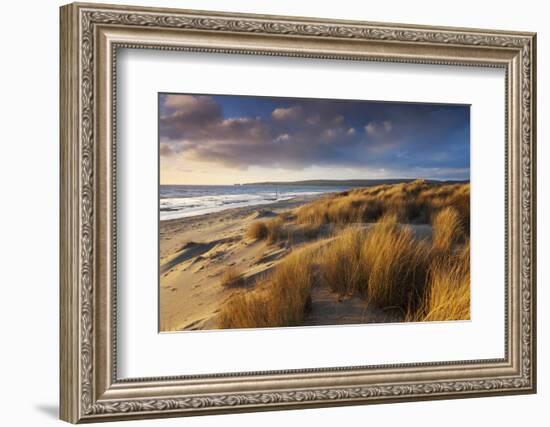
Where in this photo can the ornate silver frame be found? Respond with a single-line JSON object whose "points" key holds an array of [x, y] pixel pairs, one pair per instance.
{"points": [[90, 36]]}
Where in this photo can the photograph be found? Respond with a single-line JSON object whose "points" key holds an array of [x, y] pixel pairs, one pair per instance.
{"points": [[278, 212]]}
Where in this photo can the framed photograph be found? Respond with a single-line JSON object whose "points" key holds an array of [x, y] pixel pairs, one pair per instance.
{"points": [[265, 212]]}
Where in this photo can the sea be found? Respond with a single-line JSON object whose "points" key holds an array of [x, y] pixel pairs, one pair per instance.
{"points": [[180, 201]]}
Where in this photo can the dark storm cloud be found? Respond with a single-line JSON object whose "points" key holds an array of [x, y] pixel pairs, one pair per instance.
{"points": [[300, 133]]}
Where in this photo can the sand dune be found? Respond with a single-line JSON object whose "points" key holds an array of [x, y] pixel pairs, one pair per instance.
{"points": [[241, 267], [196, 251]]}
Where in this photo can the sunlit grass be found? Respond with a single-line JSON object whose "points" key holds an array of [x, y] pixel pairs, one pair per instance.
{"points": [[282, 299], [371, 251]]}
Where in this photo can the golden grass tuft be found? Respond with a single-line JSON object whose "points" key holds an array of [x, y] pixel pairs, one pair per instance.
{"points": [[279, 300], [395, 265], [270, 230], [274, 229], [257, 230], [384, 264], [341, 267], [447, 295], [447, 229], [232, 278]]}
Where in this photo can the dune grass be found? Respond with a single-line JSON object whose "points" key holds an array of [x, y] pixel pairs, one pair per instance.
{"points": [[372, 252], [270, 230], [341, 267], [414, 202], [395, 264], [257, 230], [282, 299], [274, 230], [231, 278], [447, 296], [384, 264], [297, 234], [389, 268], [447, 229]]}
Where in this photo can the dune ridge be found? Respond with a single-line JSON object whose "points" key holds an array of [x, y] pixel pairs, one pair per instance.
{"points": [[387, 253]]}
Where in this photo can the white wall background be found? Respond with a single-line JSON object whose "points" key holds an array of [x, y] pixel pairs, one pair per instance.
{"points": [[29, 170]]}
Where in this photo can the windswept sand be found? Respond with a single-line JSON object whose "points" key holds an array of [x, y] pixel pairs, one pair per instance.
{"points": [[195, 251]]}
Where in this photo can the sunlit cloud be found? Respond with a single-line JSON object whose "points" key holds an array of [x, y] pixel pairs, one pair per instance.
{"points": [[241, 133]]}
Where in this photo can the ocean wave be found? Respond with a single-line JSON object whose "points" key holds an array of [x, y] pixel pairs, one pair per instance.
{"points": [[182, 201]]}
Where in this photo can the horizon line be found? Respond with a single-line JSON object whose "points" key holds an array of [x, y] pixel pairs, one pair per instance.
{"points": [[328, 180]]}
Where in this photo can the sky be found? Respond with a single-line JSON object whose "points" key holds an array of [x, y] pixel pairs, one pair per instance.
{"points": [[231, 139]]}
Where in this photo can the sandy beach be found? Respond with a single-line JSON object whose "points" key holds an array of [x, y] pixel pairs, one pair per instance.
{"points": [[195, 252]]}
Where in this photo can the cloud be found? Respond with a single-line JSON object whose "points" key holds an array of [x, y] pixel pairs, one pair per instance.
{"points": [[171, 148], [282, 137], [377, 129], [291, 113], [243, 132], [184, 114], [313, 120], [165, 149]]}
